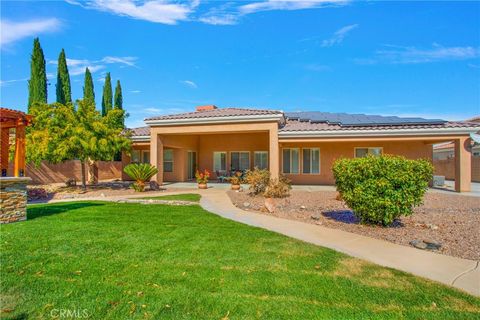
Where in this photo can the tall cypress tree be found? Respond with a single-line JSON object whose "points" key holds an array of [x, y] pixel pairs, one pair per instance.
{"points": [[88, 93], [118, 100], [64, 91], [107, 95], [37, 85]]}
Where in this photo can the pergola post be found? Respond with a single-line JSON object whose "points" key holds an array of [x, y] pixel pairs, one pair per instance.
{"points": [[463, 165], [4, 152], [19, 160]]}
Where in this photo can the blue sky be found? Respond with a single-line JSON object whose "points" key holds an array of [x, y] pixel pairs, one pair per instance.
{"points": [[410, 58]]}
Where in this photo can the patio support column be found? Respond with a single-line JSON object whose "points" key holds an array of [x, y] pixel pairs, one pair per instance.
{"points": [[274, 155], [463, 165], [156, 156], [4, 151], [19, 160]]}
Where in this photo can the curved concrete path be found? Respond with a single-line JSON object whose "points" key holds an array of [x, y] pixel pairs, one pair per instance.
{"points": [[460, 273]]}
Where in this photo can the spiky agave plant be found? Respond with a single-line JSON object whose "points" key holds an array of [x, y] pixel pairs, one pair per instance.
{"points": [[140, 172]]}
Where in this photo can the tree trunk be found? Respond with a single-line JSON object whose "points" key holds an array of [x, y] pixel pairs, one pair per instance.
{"points": [[84, 183], [92, 172]]}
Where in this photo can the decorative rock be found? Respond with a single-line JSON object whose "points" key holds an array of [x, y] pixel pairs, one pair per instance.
{"points": [[316, 216], [154, 185], [425, 245], [102, 195], [432, 226], [303, 207], [13, 202], [270, 205], [246, 204]]}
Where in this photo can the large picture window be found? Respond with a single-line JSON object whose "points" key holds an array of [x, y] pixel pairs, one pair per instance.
{"points": [[220, 161], [260, 160], [167, 160], [140, 156], [311, 161], [363, 152], [290, 160], [240, 160]]}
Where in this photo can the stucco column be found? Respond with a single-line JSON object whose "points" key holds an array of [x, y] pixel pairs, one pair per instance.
{"points": [[463, 165], [274, 155], [156, 156]]}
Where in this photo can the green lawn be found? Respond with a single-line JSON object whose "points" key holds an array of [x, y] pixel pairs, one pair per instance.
{"points": [[123, 261], [193, 197]]}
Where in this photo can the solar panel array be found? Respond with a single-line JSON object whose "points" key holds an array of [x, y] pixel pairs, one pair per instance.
{"points": [[345, 119]]}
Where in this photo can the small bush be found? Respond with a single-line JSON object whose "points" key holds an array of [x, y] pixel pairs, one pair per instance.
{"points": [[381, 189], [236, 179], [140, 172], [202, 177], [258, 179], [278, 188]]}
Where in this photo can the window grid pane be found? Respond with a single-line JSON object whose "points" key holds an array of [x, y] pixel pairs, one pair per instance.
{"points": [[306, 161], [315, 160], [286, 160], [295, 161]]}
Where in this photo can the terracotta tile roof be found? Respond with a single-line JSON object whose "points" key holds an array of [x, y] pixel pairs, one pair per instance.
{"points": [[295, 125], [223, 112], [142, 131]]}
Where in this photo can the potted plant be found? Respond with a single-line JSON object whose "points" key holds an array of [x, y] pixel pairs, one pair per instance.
{"points": [[235, 180], [140, 172], [202, 178]]}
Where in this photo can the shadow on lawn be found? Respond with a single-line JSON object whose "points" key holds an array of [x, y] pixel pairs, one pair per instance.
{"points": [[51, 209]]}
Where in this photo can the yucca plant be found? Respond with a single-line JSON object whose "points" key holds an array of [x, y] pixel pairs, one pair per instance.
{"points": [[140, 172]]}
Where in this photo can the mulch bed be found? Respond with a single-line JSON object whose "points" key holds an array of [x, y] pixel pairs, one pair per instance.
{"points": [[448, 219]]}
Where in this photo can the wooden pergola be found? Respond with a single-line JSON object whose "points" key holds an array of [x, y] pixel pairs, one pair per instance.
{"points": [[19, 120]]}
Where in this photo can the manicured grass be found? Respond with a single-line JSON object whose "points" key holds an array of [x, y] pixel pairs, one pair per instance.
{"points": [[193, 197], [123, 261]]}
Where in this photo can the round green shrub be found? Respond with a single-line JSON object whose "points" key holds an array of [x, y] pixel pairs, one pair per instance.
{"points": [[381, 189]]}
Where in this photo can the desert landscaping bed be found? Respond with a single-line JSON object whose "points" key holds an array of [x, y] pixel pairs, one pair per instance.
{"points": [[447, 219]]}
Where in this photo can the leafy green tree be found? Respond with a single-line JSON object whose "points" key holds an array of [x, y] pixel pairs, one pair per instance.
{"points": [[107, 95], [88, 92], [61, 132], [118, 101], [37, 85], [64, 91]]}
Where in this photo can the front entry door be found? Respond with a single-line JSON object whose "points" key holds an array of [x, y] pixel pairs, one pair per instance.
{"points": [[191, 164]]}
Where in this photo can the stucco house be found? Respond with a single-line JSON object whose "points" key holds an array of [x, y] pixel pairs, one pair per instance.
{"points": [[301, 145]]}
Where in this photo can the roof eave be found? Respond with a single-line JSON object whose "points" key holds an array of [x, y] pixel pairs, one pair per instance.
{"points": [[212, 120], [378, 132]]}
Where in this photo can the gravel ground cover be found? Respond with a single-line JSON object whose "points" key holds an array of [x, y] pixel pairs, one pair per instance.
{"points": [[451, 220]]}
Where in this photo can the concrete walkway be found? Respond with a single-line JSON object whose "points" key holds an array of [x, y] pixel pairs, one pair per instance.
{"points": [[460, 273]]}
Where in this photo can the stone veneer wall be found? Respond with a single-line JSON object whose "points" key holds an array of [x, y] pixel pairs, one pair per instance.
{"points": [[13, 199]]}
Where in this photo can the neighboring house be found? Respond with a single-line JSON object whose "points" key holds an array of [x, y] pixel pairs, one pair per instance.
{"points": [[301, 145]]}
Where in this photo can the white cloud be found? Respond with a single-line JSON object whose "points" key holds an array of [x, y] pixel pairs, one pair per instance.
{"points": [[7, 82], [129, 61], [152, 110], [14, 31], [77, 66], [221, 19], [158, 11], [339, 35], [189, 83], [135, 91], [288, 5], [413, 55]]}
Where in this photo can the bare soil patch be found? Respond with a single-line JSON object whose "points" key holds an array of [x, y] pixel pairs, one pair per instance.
{"points": [[448, 219]]}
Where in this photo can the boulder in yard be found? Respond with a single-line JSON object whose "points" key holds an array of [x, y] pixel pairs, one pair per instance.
{"points": [[270, 204]]}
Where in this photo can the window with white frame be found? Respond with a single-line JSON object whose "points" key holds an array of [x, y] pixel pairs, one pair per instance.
{"points": [[291, 160], [240, 160], [311, 160], [363, 152], [140, 156], [220, 161], [260, 159], [167, 160]]}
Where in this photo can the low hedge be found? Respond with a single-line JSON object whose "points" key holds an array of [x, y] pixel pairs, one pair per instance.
{"points": [[381, 189]]}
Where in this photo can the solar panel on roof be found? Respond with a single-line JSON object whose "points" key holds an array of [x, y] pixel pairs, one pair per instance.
{"points": [[345, 119]]}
